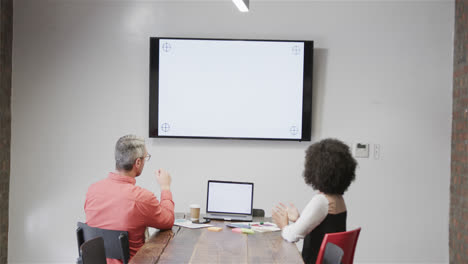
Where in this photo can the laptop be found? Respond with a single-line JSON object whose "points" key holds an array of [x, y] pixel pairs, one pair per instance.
{"points": [[229, 201]]}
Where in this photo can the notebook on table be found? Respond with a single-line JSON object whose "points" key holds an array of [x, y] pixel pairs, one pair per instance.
{"points": [[229, 201]]}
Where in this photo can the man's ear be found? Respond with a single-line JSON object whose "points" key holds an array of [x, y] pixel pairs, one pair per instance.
{"points": [[138, 163]]}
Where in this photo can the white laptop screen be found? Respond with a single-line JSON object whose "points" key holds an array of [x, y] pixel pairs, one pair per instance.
{"points": [[229, 197]]}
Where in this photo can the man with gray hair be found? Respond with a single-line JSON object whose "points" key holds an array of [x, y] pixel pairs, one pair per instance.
{"points": [[115, 203]]}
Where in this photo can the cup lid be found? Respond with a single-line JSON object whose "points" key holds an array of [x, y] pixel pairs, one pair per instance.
{"points": [[194, 206]]}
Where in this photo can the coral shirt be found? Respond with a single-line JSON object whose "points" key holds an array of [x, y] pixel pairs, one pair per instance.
{"points": [[115, 203]]}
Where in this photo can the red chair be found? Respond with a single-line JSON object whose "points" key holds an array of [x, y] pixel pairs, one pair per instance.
{"points": [[345, 240]]}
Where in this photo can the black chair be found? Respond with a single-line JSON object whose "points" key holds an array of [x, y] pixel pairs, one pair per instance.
{"points": [[115, 242], [333, 254], [93, 251], [258, 213]]}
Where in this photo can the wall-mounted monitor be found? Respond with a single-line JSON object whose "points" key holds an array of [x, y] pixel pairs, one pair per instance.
{"points": [[232, 89]]}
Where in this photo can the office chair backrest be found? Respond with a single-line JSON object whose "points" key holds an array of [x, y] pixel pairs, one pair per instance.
{"points": [[115, 242], [93, 251], [345, 240], [333, 254], [258, 212]]}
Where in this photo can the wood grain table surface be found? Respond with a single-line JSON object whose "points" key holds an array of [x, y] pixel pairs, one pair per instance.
{"points": [[184, 245]]}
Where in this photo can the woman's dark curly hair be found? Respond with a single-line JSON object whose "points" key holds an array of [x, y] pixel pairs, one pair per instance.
{"points": [[329, 166]]}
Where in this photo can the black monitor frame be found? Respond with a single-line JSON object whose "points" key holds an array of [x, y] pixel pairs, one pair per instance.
{"points": [[306, 91], [229, 182]]}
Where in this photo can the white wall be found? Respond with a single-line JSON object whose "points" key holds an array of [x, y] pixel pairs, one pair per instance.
{"points": [[383, 75]]}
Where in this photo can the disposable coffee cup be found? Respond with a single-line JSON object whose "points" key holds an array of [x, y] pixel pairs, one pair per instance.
{"points": [[194, 212]]}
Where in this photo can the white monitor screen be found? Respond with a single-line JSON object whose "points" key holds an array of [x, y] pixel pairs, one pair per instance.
{"points": [[229, 197], [230, 89]]}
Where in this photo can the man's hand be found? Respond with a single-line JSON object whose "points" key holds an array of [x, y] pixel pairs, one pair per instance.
{"points": [[164, 179], [293, 213], [280, 216]]}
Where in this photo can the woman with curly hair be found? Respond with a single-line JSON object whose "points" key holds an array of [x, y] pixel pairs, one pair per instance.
{"points": [[330, 169]]}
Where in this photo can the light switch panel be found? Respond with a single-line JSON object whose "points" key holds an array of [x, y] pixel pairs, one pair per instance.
{"points": [[361, 150]]}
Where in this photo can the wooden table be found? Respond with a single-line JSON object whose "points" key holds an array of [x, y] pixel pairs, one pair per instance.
{"points": [[184, 245]]}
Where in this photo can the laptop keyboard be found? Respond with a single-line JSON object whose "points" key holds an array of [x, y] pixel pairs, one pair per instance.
{"points": [[223, 215]]}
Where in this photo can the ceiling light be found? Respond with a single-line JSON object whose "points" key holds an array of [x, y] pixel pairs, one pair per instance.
{"points": [[242, 5]]}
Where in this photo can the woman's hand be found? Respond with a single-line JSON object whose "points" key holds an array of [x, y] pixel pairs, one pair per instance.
{"points": [[293, 213], [280, 216]]}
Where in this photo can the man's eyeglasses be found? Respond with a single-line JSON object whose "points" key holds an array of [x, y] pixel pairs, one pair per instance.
{"points": [[147, 157]]}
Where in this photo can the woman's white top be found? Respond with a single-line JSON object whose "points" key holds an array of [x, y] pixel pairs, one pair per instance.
{"points": [[312, 215]]}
